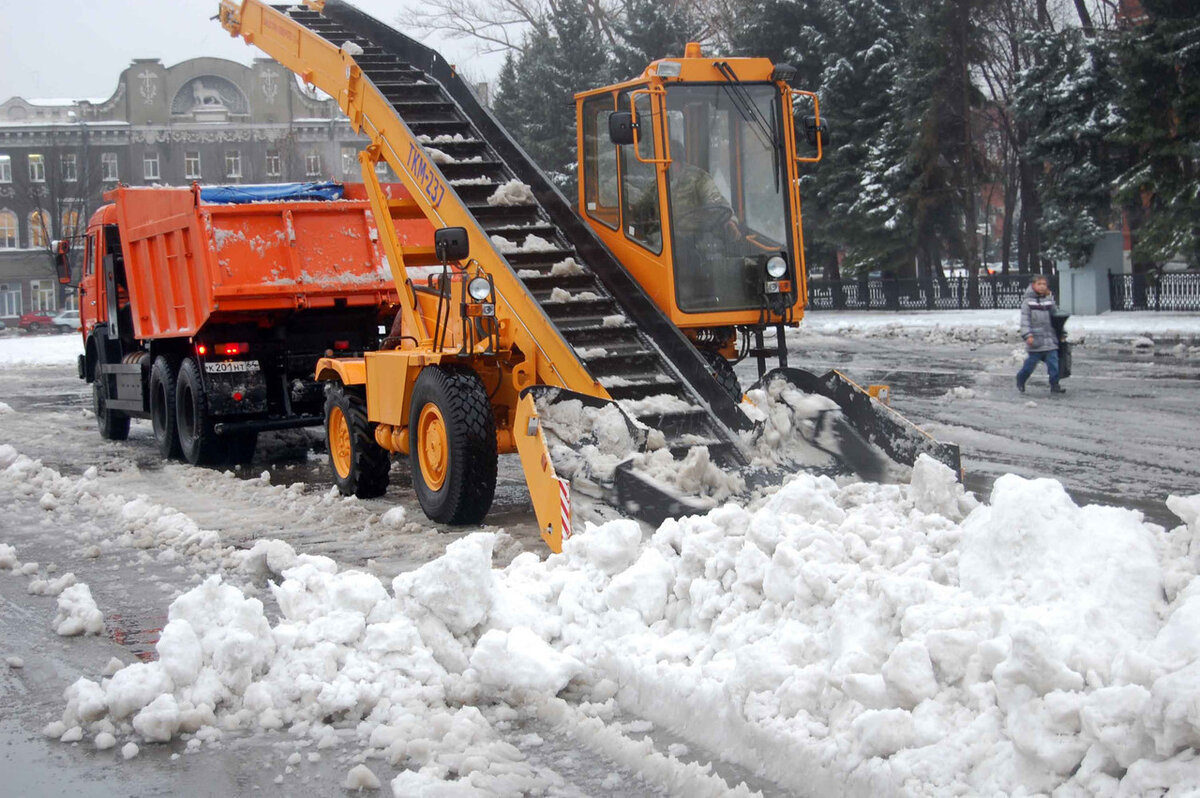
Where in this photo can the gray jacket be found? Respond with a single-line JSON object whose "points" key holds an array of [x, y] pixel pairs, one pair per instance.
{"points": [[1035, 320]]}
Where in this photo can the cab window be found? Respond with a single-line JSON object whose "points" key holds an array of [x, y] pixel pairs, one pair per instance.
{"points": [[600, 180], [89, 255], [640, 210]]}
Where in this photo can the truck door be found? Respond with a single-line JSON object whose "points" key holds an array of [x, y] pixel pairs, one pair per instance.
{"points": [[92, 307]]}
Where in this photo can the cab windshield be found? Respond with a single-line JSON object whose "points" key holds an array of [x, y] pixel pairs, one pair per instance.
{"points": [[728, 192]]}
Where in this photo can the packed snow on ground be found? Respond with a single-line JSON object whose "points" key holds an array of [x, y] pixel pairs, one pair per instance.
{"points": [[854, 639], [996, 325], [514, 192], [40, 350]]}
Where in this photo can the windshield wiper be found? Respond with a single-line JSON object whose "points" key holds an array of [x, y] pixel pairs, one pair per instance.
{"points": [[745, 104]]}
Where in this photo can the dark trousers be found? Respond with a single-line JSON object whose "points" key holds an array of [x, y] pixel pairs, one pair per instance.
{"points": [[1051, 360]]}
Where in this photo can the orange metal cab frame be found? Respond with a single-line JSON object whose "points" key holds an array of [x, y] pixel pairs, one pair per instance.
{"points": [[690, 115]]}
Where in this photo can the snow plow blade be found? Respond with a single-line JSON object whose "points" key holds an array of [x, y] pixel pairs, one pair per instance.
{"points": [[577, 445], [865, 422]]}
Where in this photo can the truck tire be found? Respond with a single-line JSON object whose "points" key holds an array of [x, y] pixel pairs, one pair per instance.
{"points": [[452, 445], [241, 447], [113, 424], [198, 444], [360, 465], [162, 407], [725, 373]]}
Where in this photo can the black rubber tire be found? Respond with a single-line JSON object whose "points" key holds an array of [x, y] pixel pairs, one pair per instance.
{"points": [[466, 494], [162, 407], [198, 444], [369, 462], [113, 424], [725, 373], [240, 447]]}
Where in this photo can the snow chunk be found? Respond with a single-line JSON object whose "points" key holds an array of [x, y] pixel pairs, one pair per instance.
{"points": [[8, 555], [361, 777], [935, 489], [519, 659], [77, 612], [514, 192], [458, 586], [159, 720], [1187, 508], [394, 518], [129, 750], [908, 674], [611, 547], [105, 741], [51, 587], [351, 48], [642, 587], [14, 662], [565, 268]]}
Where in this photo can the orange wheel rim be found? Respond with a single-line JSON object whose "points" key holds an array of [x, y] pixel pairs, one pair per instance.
{"points": [[339, 442], [433, 447]]}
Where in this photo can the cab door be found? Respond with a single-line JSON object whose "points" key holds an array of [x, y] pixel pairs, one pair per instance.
{"points": [[93, 306]]}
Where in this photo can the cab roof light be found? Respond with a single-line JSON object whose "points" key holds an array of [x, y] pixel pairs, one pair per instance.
{"points": [[784, 72], [668, 69]]}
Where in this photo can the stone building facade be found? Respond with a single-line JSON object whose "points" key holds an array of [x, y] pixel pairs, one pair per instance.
{"points": [[206, 120]]}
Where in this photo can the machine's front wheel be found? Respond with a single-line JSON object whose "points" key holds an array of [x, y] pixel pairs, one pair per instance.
{"points": [[360, 465], [452, 445], [198, 443], [725, 374], [162, 407], [113, 424]]}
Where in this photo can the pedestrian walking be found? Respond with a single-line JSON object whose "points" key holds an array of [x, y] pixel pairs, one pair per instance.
{"points": [[1041, 341]]}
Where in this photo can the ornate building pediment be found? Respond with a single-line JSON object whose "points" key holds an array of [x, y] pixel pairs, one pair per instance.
{"points": [[209, 98]]}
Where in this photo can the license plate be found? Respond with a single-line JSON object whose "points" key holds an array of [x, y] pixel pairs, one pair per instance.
{"points": [[232, 366]]}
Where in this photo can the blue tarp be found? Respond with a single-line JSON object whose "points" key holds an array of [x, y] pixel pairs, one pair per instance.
{"points": [[271, 192]]}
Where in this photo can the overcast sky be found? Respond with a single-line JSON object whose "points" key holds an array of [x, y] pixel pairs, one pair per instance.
{"points": [[77, 48]]}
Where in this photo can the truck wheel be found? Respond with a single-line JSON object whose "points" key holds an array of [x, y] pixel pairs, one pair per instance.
{"points": [[162, 407], [360, 465], [725, 373], [241, 448], [197, 441], [452, 445], [114, 425]]}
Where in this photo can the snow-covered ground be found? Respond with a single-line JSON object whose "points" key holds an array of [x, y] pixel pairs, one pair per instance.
{"points": [[40, 350], [830, 638], [1000, 324]]}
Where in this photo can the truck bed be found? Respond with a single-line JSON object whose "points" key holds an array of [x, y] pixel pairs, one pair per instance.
{"points": [[188, 262]]}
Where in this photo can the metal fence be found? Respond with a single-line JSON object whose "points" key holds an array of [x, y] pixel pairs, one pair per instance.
{"points": [[876, 293], [1170, 292]]}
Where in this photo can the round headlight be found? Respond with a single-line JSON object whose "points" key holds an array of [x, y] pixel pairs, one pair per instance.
{"points": [[776, 267], [479, 288]]}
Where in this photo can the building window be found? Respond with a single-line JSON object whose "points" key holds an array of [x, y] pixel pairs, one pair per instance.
{"points": [[37, 168], [150, 166], [70, 223], [10, 300], [349, 160], [233, 163], [67, 165], [8, 229], [108, 166], [312, 164], [274, 167], [191, 165], [41, 295], [5, 168], [39, 229]]}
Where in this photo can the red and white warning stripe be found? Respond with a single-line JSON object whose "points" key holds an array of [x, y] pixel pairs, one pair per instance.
{"points": [[564, 504]]}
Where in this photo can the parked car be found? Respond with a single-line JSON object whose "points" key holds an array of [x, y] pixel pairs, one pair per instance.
{"points": [[67, 321], [36, 321]]}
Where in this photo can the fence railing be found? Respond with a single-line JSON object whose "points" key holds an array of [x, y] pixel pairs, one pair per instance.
{"points": [[1169, 292], [929, 293]]}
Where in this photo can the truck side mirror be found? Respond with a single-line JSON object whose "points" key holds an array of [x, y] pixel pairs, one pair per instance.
{"points": [[812, 130], [620, 127], [62, 263], [451, 243]]}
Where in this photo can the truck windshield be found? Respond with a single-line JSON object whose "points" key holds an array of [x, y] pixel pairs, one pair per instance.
{"points": [[728, 192]]}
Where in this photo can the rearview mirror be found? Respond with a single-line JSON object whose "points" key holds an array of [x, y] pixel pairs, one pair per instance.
{"points": [[812, 130], [451, 243], [62, 263], [620, 127]]}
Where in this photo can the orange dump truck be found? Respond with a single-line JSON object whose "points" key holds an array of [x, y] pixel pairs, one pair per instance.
{"points": [[206, 309]]}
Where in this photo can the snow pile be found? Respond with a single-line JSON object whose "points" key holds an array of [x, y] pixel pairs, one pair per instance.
{"points": [[532, 243], [562, 295], [586, 442], [351, 48], [77, 612], [787, 425], [41, 350], [514, 192], [565, 268]]}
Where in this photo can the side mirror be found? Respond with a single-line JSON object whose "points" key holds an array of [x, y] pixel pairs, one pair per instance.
{"points": [[812, 130], [451, 243], [62, 263], [620, 127]]}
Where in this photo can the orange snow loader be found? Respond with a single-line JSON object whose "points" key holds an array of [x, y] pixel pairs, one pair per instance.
{"points": [[596, 346]]}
